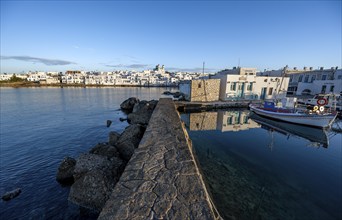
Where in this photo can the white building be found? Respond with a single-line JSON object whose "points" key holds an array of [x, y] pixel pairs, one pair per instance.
{"points": [[308, 81], [243, 83], [36, 76]]}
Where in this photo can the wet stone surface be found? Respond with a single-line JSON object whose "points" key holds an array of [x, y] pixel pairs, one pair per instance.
{"points": [[161, 181]]}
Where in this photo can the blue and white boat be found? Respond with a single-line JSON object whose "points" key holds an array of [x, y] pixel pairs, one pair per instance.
{"points": [[319, 117]]}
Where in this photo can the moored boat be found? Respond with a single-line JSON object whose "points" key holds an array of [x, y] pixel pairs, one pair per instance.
{"points": [[317, 136], [316, 118]]}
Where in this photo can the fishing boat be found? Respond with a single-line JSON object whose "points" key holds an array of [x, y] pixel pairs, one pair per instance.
{"points": [[317, 136], [319, 116]]}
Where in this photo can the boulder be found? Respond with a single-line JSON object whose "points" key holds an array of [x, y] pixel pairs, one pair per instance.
{"points": [[129, 140], [142, 112], [143, 104], [128, 104], [95, 177], [104, 149], [92, 190], [89, 162], [113, 137], [66, 170], [11, 194]]}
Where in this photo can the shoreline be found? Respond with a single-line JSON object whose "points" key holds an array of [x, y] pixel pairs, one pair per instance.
{"points": [[62, 85]]}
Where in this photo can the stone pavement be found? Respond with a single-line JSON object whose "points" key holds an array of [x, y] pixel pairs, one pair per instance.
{"points": [[161, 180]]}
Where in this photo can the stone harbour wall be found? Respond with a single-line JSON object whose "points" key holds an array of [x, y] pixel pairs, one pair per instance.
{"points": [[162, 179], [205, 90]]}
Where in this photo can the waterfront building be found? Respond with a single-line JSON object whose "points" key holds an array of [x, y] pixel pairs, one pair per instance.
{"points": [[36, 76], [243, 83], [309, 81], [156, 77], [6, 77]]}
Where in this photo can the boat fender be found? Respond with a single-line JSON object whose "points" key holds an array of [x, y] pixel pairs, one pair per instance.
{"points": [[322, 101], [321, 108], [315, 108]]}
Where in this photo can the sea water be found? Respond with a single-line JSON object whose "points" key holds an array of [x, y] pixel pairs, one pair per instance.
{"points": [[257, 171], [38, 128]]}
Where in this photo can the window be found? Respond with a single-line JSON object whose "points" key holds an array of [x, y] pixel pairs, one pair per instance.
{"points": [[291, 78], [300, 78], [306, 79], [199, 85], [324, 77], [313, 78], [233, 86], [230, 120], [332, 88], [323, 89], [250, 86], [270, 91]]}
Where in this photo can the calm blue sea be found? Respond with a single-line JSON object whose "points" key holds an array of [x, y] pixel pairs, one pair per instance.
{"points": [[260, 169], [38, 128]]}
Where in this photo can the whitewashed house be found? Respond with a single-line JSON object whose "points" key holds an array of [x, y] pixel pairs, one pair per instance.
{"points": [[243, 83], [36, 76], [309, 81]]}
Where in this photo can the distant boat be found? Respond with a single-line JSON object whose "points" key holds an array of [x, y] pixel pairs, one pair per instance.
{"points": [[317, 118], [314, 135]]}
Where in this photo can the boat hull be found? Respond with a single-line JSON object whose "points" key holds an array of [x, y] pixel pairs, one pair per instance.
{"points": [[321, 121], [313, 134]]}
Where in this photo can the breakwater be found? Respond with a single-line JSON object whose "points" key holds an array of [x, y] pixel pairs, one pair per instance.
{"points": [[162, 179]]}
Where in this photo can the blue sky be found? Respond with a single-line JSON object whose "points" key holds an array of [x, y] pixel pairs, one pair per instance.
{"points": [[110, 35]]}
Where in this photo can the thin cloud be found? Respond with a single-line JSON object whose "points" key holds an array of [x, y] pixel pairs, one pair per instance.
{"points": [[197, 69], [130, 66], [48, 62]]}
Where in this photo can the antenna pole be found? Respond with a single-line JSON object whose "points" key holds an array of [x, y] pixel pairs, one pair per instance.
{"points": [[203, 67]]}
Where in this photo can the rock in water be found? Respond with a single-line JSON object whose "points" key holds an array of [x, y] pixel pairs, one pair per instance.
{"points": [[95, 177], [129, 140], [92, 190], [11, 194], [109, 122], [142, 112], [128, 104], [66, 171], [113, 137], [105, 149]]}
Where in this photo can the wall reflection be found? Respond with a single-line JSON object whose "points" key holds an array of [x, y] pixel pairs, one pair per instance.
{"points": [[222, 121]]}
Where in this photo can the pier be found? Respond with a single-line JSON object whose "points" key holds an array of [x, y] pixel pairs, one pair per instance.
{"points": [[162, 179]]}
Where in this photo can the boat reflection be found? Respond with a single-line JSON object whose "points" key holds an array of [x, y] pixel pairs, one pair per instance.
{"points": [[239, 120], [317, 136]]}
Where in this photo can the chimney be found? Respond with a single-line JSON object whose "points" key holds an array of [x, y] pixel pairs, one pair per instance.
{"points": [[305, 68], [311, 68], [295, 68], [321, 68]]}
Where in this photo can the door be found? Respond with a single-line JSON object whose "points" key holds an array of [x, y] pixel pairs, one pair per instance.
{"points": [[263, 93], [240, 91]]}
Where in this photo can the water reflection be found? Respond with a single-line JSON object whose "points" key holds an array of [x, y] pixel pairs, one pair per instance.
{"points": [[243, 120], [221, 120], [317, 137], [247, 180]]}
